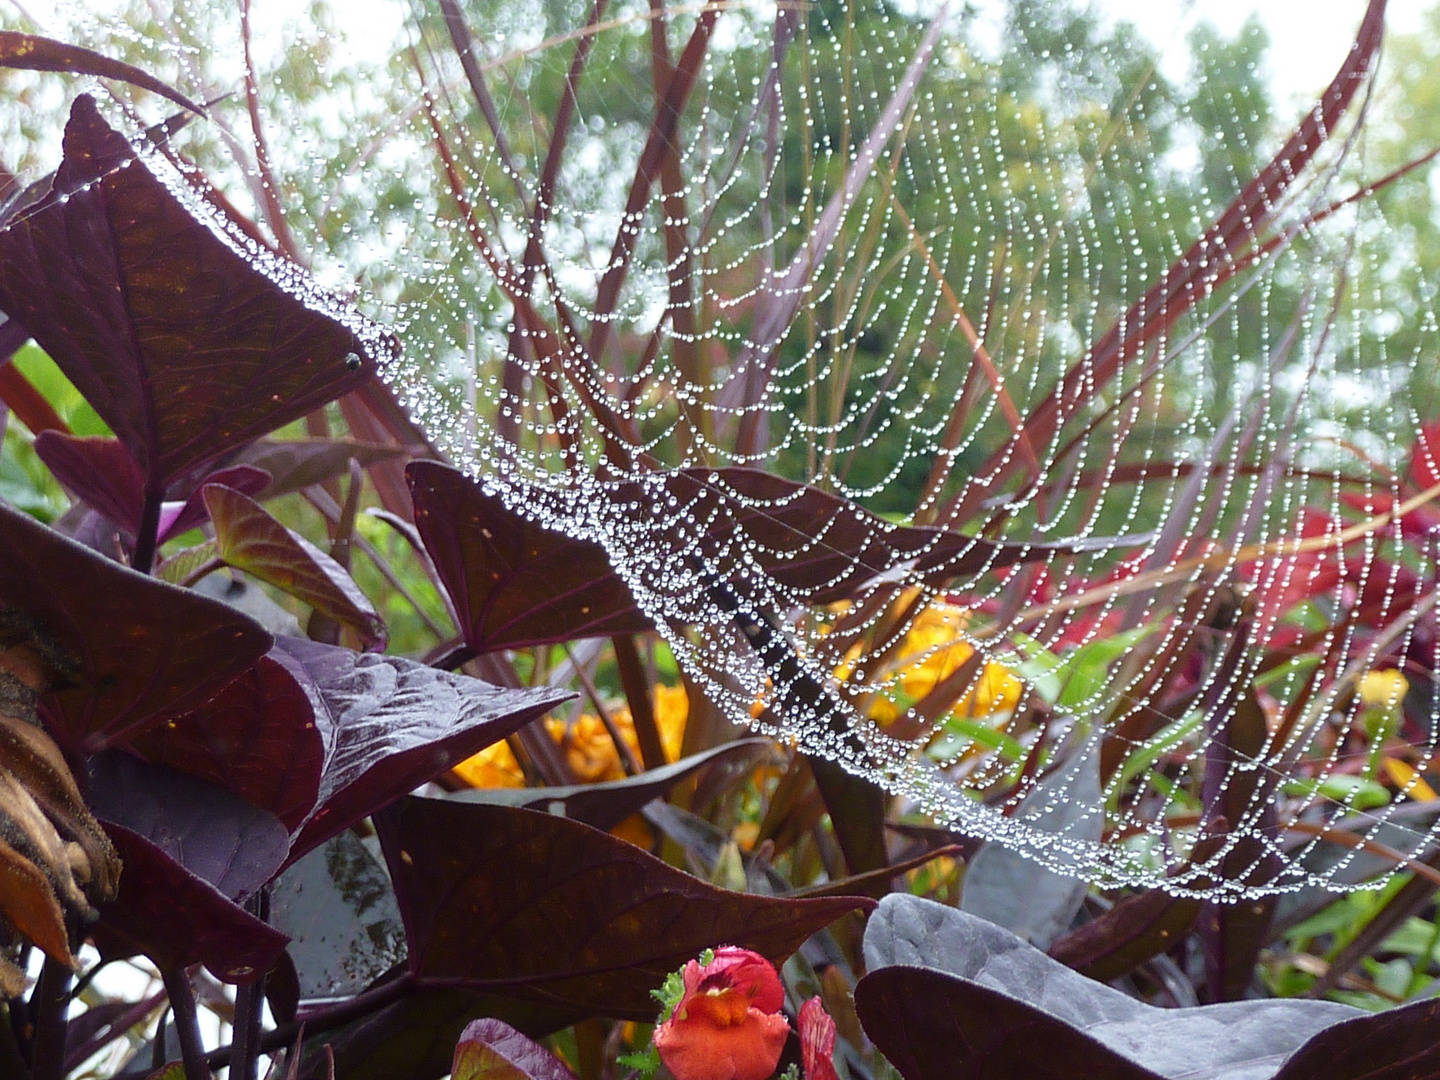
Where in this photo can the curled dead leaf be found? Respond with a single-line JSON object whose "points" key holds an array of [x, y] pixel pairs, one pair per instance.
{"points": [[55, 860]]}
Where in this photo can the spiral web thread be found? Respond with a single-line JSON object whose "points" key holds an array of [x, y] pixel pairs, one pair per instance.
{"points": [[983, 227]]}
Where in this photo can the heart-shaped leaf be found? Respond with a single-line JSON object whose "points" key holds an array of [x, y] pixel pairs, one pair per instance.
{"points": [[389, 724], [256, 737], [178, 919], [141, 650], [493, 1050], [249, 539], [514, 583], [577, 919], [951, 995], [605, 805], [188, 338]]}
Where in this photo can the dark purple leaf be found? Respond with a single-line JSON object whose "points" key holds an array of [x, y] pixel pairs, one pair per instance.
{"points": [[415, 1038], [1127, 935], [857, 813], [256, 737], [180, 517], [298, 463], [101, 472], [1006, 1009], [176, 919], [514, 583], [142, 650], [1067, 803], [577, 919], [517, 583], [389, 725], [932, 1026], [183, 345], [1398, 1044], [603, 806], [214, 834], [249, 539], [493, 1050], [820, 546], [44, 54]]}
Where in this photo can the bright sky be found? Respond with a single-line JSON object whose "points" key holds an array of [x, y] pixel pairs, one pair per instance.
{"points": [[1308, 38]]}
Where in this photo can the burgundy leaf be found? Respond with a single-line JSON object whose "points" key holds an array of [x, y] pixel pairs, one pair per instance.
{"points": [[415, 1038], [578, 919], [493, 1050], [256, 737], [819, 545], [142, 651], [249, 539], [1398, 1044], [214, 834], [605, 805], [186, 347], [514, 583], [180, 517], [517, 583], [44, 54], [178, 919], [388, 725], [1127, 935], [100, 471]]}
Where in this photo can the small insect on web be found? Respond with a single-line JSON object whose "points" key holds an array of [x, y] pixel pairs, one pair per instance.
{"points": [[986, 403]]}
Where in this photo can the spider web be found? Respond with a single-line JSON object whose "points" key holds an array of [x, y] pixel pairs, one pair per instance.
{"points": [[984, 409]]}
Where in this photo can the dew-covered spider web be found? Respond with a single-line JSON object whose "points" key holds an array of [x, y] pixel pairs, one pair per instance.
{"points": [[1012, 408]]}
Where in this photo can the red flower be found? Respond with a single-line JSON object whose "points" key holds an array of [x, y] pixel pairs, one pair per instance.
{"points": [[817, 1041], [728, 1024]]}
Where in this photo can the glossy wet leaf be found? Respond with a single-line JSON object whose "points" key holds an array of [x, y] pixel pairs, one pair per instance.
{"points": [[141, 650], [513, 582], [578, 920], [188, 355], [256, 737], [952, 995], [249, 539], [389, 724], [338, 909], [493, 1050], [605, 805]]}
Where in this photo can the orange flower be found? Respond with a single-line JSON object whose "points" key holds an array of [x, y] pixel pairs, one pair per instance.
{"points": [[727, 1025]]}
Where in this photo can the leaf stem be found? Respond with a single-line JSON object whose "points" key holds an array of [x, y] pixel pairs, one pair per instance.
{"points": [[187, 1023], [144, 554], [50, 1001]]}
